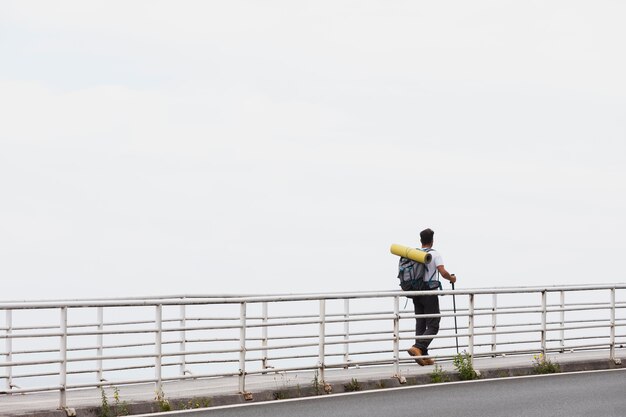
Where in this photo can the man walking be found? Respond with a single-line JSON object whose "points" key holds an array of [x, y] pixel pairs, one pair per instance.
{"points": [[428, 304]]}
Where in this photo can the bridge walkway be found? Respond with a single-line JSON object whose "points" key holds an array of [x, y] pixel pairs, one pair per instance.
{"points": [[220, 391]]}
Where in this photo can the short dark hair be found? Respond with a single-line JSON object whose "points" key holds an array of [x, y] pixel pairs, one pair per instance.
{"points": [[426, 236]]}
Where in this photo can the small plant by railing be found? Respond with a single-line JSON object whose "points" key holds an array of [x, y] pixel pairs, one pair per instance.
{"points": [[543, 365], [279, 395], [119, 407], [318, 386], [201, 402], [353, 385], [164, 404], [463, 364], [283, 383], [439, 375], [105, 408]]}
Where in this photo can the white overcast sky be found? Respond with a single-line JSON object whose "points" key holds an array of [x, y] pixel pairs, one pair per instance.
{"points": [[169, 147]]}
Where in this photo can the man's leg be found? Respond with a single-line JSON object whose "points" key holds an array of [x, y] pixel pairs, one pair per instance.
{"points": [[420, 328], [430, 306], [420, 323]]}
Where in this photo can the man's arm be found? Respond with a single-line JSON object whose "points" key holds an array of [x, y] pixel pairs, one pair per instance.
{"points": [[450, 277]]}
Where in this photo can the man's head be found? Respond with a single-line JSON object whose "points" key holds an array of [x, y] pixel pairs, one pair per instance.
{"points": [[426, 236]]}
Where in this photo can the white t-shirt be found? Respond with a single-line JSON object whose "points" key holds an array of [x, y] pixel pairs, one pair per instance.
{"points": [[431, 268]]}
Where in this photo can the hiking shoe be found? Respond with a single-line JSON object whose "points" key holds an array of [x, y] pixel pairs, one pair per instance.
{"points": [[415, 351], [428, 361]]}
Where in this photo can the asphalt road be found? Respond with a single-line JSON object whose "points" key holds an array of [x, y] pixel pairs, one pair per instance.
{"points": [[589, 394]]}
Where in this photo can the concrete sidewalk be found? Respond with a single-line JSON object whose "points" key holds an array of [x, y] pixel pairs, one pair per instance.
{"points": [[195, 393]]}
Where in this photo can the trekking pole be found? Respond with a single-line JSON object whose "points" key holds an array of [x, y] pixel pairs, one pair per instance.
{"points": [[456, 330]]}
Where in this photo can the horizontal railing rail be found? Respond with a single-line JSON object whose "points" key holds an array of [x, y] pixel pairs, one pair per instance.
{"points": [[62, 345]]}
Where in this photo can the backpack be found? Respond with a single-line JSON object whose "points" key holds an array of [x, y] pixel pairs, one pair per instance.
{"points": [[411, 275]]}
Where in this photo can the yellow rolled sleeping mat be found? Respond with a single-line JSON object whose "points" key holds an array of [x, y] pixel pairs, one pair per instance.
{"points": [[411, 253]]}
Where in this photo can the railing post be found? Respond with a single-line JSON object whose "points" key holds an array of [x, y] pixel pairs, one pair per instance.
{"points": [[183, 339], [612, 342], [100, 342], [158, 344], [494, 323], [322, 339], [396, 335], [9, 349], [63, 352], [562, 341], [264, 333], [544, 304], [242, 348], [470, 327], [346, 331]]}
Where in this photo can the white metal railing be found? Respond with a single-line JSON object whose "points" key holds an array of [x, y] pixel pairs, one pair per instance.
{"points": [[64, 345]]}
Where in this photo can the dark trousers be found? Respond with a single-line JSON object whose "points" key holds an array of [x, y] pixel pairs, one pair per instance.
{"points": [[426, 326]]}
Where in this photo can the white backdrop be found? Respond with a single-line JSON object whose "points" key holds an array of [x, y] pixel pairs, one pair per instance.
{"points": [[226, 147]]}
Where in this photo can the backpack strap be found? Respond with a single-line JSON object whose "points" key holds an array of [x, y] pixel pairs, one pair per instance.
{"points": [[434, 272], [440, 286]]}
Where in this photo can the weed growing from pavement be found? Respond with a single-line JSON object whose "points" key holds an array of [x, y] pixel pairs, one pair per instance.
{"points": [[105, 408], [279, 395], [164, 404], [121, 407], [353, 385], [282, 383], [463, 364], [439, 375], [202, 402], [543, 365], [318, 386], [117, 409]]}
